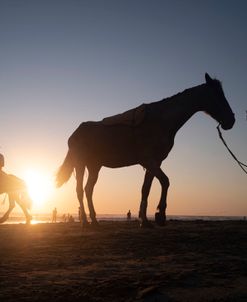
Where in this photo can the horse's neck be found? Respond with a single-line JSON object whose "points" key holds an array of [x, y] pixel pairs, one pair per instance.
{"points": [[183, 106], [3, 175]]}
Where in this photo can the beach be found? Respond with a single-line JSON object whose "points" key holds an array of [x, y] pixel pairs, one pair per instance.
{"points": [[183, 261]]}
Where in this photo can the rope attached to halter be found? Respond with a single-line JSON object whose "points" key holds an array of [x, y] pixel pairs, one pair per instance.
{"points": [[242, 165]]}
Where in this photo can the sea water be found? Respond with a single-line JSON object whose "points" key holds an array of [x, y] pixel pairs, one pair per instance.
{"points": [[47, 218]]}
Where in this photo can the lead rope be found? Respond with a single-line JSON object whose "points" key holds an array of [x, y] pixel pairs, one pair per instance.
{"points": [[242, 165]]}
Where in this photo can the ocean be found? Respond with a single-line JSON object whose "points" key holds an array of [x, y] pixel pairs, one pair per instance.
{"points": [[46, 218]]}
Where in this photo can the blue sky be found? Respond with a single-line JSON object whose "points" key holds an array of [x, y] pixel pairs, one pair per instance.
{"points": [[65, 62]]}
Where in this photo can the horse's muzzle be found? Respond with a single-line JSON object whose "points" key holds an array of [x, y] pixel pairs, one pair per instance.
{"points": [[226, 125]]}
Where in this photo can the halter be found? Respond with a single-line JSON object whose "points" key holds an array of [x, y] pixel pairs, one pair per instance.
{"points": [[242, 165]]}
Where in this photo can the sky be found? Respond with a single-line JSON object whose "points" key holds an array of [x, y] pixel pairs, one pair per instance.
{"points": [[65, 62]]}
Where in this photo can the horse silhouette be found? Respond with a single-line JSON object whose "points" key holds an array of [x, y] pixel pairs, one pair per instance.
{"points": [[144, 136], [16, 190]]}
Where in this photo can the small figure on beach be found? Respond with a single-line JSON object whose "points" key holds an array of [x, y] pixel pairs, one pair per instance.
{"points": [[71, 219], [64, 219], [129, 215], [16, 190], [54, 215]]}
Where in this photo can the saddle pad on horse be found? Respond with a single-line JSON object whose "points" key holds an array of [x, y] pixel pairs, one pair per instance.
{"points": [[133, 117]]}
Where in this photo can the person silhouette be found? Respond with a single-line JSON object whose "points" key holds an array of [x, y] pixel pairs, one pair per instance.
{"points": [[129, 215], [1, 161], [3, 175]]}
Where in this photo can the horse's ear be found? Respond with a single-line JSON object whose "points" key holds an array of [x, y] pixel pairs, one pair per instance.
{"points": [[208, 78]]}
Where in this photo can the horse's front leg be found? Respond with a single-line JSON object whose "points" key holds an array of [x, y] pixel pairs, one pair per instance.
{"points": [[11, 207], [144, 201], [79, 191], [25, 211]]}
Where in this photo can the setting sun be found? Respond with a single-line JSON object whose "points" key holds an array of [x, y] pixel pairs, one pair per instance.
{"points": [[40, 186]]}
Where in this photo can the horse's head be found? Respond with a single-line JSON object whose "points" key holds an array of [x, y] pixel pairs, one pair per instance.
{"points": [[217, 105]]}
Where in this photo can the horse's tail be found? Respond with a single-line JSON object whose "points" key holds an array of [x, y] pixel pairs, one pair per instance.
{"points": [[65, 171]]}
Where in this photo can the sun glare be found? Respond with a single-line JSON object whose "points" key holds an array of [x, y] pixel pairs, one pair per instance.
{"points": [[39, 186]]}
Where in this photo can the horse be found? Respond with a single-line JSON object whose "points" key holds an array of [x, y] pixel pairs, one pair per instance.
{"points": [[145, 136], [16, 190]]}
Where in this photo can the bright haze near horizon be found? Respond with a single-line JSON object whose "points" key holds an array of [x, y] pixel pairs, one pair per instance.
{"points": [[65, 62]]}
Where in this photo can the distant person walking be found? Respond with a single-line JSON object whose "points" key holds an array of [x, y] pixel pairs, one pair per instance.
{"points": [[71, 219], [129, 215], [54, 215]]}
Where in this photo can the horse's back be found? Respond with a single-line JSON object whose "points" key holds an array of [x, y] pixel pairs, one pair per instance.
{"points": [[132, 117], [98, 134], [10, 183], [109, 146]]}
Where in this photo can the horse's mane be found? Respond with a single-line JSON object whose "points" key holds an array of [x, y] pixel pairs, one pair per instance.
{"points": [[177, 95], [216, 82]]}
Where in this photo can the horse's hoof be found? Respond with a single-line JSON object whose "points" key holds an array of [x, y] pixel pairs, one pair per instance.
{"points": [[145, 224], [94, 224], [85, 224], [29, 219], [160, 219]]}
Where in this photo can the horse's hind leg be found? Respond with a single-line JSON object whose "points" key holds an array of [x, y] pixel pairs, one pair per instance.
{"points": [[79, 190], [11, 207], [145, 192], [160, 216], [25, 211], [92, 179]]}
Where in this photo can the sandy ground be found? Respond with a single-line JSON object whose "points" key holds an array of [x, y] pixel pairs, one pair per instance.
{"points": [[184, 261]]}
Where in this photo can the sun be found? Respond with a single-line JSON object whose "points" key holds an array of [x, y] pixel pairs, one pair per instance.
{"points": [[40, 186]]}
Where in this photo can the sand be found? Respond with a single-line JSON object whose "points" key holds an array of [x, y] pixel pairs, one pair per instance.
{"points": [[183, 261]]}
